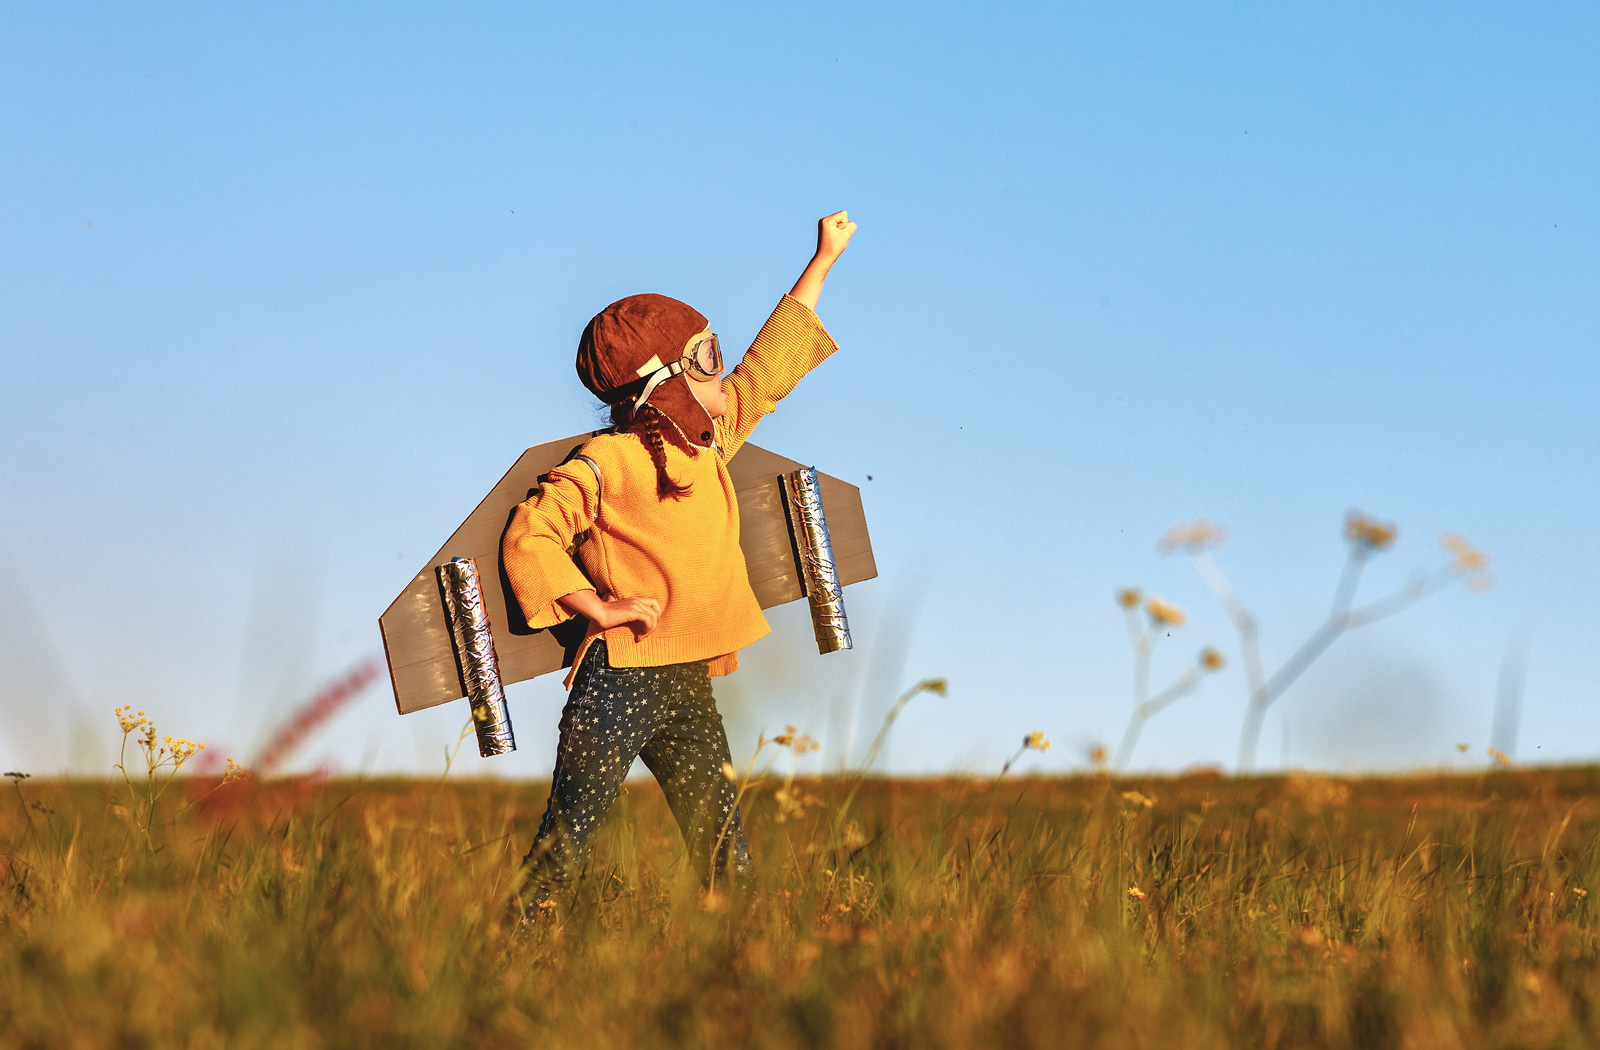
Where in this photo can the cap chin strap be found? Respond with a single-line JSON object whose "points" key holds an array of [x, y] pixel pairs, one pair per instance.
{"points": [[659, 376]]}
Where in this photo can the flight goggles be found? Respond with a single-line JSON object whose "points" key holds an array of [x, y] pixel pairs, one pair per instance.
{"points": [[703, 361]]}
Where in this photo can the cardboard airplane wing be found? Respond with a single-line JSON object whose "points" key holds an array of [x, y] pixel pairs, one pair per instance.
{"points": [[417, 634]]}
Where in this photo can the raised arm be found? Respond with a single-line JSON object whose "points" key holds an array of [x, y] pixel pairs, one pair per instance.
{"points": [[833, 234], [790, 344]]}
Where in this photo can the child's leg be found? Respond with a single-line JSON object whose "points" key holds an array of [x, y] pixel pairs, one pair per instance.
{"points": [[609, 715], [687, 754]]}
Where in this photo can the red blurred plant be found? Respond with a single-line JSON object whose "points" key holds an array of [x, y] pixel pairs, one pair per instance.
{"points": [[318, 710]]}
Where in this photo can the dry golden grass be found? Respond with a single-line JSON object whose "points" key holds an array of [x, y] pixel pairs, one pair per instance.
{"points": [[1199, 912]]}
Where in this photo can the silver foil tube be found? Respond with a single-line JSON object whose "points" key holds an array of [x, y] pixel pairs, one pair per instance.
{"points": [[814, 553], [480, 669]]}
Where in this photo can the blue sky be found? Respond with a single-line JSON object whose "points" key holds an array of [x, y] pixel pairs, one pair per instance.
{"points": [[284, 289]]}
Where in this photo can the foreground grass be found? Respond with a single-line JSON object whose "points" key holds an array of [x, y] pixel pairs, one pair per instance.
{"points": [[1422, 912]]}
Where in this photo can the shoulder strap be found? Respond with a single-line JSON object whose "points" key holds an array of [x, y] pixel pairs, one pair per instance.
{"points": [[599, 479]]}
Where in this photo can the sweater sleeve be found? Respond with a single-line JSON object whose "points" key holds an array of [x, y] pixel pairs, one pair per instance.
{"points": [[790, 344], [534, 551]]}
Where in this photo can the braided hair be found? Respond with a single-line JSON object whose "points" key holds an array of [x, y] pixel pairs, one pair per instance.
{"points": [[647, 423]]}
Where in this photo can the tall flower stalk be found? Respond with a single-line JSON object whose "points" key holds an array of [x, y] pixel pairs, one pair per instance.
{"points": [[162, 760], [1034, 741], [937, 686], [1364, 537], [1160, 618]]}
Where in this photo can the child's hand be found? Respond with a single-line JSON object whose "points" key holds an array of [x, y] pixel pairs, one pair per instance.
{"points": [[833, 234], [640, 614]]}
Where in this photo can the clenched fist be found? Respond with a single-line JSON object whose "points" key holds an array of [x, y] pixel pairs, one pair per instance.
{"points": [[833, 234]]}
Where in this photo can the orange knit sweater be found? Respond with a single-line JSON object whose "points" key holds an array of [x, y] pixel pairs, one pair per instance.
{"points": [[683, 552]]}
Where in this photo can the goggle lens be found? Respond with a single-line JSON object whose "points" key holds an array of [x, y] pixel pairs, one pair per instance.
{"points": [[706, 357]]}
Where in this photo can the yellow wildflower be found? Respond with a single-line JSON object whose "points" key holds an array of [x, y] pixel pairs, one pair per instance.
{"points": [[1163, 613], [1467, 558], [1366, 531], [1136, 798], [234, 772], [1136, 893], [731, 773], [1129, 597], [1498, 757], [1463, 748], [1211, 660], [1099, 755], [1035, 741], [1317, 792], [1198, 536], [796, 741], [792, 803]]}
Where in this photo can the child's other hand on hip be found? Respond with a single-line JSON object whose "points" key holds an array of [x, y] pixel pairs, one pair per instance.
{"points": [[640, 614], [833, 234]]}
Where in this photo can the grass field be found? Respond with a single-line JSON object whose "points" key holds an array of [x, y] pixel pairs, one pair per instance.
{"points": [[1422, 912]]}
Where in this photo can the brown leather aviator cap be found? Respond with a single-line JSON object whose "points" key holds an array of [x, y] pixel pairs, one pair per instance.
{"points": [[631, 347]]}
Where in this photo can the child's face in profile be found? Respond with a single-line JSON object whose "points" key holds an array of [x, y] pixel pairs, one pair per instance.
{"points": [[708, 392]]}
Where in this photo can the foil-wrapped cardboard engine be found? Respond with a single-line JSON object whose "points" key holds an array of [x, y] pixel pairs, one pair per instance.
{"points": [[813, 551], [475, 656]]}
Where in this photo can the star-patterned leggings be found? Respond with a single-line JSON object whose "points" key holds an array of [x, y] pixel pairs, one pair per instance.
{"points": [[664, 715]]}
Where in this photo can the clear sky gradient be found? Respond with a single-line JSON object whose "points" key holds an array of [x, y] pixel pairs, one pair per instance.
{"points": [[285, 288]]}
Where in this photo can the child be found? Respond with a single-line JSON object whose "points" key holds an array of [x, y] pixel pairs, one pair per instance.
{"points": [[663, 585]]}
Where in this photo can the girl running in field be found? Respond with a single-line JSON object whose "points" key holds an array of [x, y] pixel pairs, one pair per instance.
{"points": [[663, 584]]}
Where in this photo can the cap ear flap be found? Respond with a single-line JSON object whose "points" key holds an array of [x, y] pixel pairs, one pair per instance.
{"points": [[674, 400]]}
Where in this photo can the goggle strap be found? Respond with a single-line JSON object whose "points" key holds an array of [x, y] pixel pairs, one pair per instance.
{"points": [[659, 376]]}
